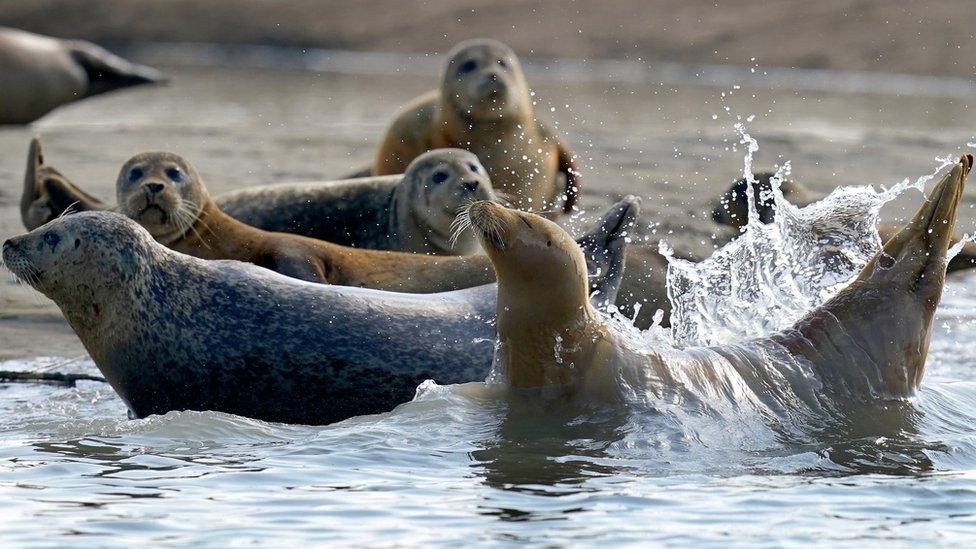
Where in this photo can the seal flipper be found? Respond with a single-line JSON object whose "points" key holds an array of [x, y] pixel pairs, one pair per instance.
{"points": [[48, 193], [604, 248], [871, 339], [107, 71], [34, 207]]}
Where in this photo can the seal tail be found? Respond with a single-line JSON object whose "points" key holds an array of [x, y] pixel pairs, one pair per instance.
{"points": [[107, 71], [574, 184], [604, 247]]}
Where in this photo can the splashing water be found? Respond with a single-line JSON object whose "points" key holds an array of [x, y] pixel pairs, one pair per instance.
{"points": [[771, 275]]}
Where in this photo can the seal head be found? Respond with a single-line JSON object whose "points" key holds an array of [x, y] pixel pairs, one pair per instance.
{"points": [[436, 186], [163, 192], [483, 81]]}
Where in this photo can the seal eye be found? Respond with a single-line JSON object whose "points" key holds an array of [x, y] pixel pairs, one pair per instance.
{"points": [[439, 177], [174, 174], [474, 167], [51, 239], [135, 174], [502, 63], [77, 243], [548, 243], [467, 67]]}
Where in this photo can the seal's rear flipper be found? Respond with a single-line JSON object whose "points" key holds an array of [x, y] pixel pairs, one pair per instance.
{"points": [[604, 248], [47, 193], [916, 255], [107, 71], [34, 208], [871, 339]]}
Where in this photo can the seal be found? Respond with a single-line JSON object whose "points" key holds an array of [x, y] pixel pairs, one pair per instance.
{"points": [[173, 332], [412, 212], [732, 209], [39, 74], [409, 213], [484, 105], [870, 341], [165, 194]]}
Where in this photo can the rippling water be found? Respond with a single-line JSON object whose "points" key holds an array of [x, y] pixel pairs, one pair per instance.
{"points": [[464, 464], [469, 463]]}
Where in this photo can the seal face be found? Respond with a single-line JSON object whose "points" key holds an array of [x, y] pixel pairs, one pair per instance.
{"points": [[484, 105], [484, 81], [436, 186], [163, 193]]}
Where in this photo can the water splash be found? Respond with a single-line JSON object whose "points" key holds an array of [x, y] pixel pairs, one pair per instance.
{"points": [[772, 274]]}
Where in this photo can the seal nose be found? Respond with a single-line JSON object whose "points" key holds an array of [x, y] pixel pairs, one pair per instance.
{"points": [[7, 244], [471, 186], [155, 188]]}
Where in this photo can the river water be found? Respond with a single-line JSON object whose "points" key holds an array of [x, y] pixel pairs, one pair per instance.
{"points": [[466, 464]]}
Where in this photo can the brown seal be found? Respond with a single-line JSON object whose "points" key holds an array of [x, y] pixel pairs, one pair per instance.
{"points": [[484, 105], [39, 74], [868, 342], [732, 209]]}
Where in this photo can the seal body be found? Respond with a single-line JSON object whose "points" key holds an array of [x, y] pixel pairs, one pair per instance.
{"points": [[39, 74], [409, 213], [173, 332], [484, 105], [868, 342]]}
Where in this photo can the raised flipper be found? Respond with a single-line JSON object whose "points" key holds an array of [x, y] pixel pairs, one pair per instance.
{"points": [[604, 247], [871, 340], [107, 71], [47, 193]]}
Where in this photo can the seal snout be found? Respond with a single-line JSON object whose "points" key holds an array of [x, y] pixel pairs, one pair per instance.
{"points": [[487, 218]]}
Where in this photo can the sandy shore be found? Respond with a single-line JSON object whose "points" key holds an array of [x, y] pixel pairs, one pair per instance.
{"points": [[242, 127]]}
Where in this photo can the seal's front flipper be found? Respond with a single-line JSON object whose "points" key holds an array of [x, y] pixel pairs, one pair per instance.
{"points": [[604, 248], [107, 71]]}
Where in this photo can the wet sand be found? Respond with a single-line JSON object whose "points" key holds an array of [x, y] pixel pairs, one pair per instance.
{"points": [[243, 127]]}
